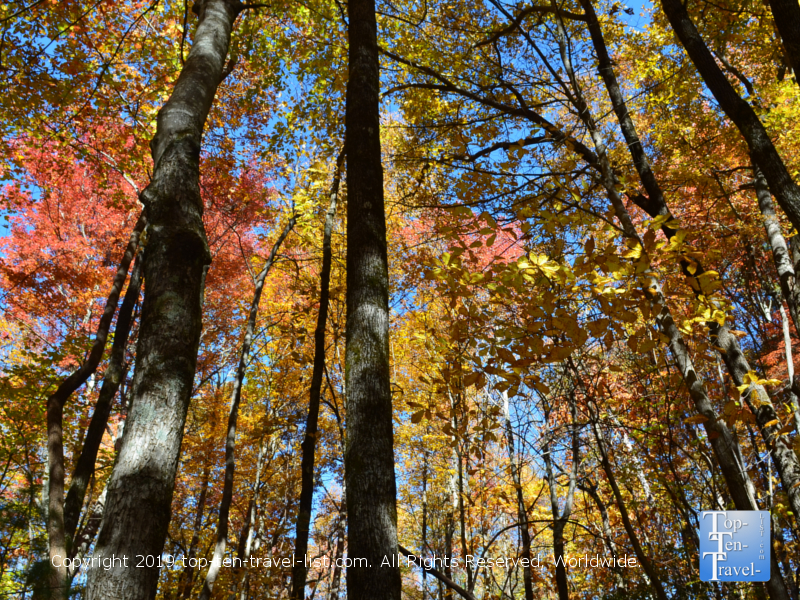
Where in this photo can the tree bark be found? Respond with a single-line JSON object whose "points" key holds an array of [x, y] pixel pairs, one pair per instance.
{"points": [[138, 506], [115, 373], [762, 150], [309, 445], [233, 417], [58, 537], [721, 438], [369, 452]]}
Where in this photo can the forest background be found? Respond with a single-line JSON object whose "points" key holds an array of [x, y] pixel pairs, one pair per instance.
{"points": [[590, 227]]}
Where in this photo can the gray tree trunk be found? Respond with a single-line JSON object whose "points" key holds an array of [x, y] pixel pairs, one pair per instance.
{"points": [[369, 452], [785, 459], [138, 506]]}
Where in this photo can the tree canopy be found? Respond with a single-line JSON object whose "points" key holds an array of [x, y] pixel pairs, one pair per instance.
{"points": [[380, 298]]}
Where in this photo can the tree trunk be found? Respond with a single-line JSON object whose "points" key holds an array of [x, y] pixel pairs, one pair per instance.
{"points": [[115, 373], [738, 110], [608, 535], [58, 538], [233, 417], [369, 453], [309, 445], [140, 491]]}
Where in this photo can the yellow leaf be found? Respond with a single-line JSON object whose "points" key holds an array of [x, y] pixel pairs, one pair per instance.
{"points": [[695, 420]]}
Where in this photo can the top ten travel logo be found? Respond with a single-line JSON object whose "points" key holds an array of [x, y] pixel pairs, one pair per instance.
{"points": [[734, 545]]}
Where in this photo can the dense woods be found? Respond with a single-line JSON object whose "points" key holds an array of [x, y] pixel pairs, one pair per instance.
{"points": [[373, 299]]}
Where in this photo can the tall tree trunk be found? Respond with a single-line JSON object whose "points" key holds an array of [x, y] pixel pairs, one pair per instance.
{"points": [[369, 454], [233, 416], [522, 512], [721, 438], [762, 150], [115, 373], [140, 491], [58, 538], [309, 445]]}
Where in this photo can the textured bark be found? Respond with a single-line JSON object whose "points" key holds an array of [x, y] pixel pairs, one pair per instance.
{"points": [[233, 417], [86, 536], [783, 456], [115, 373], [762, 150], [787, 20], [522, 511], [59, 538], [138, 506], [721, 438], [369, 452], [309, 445]]}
